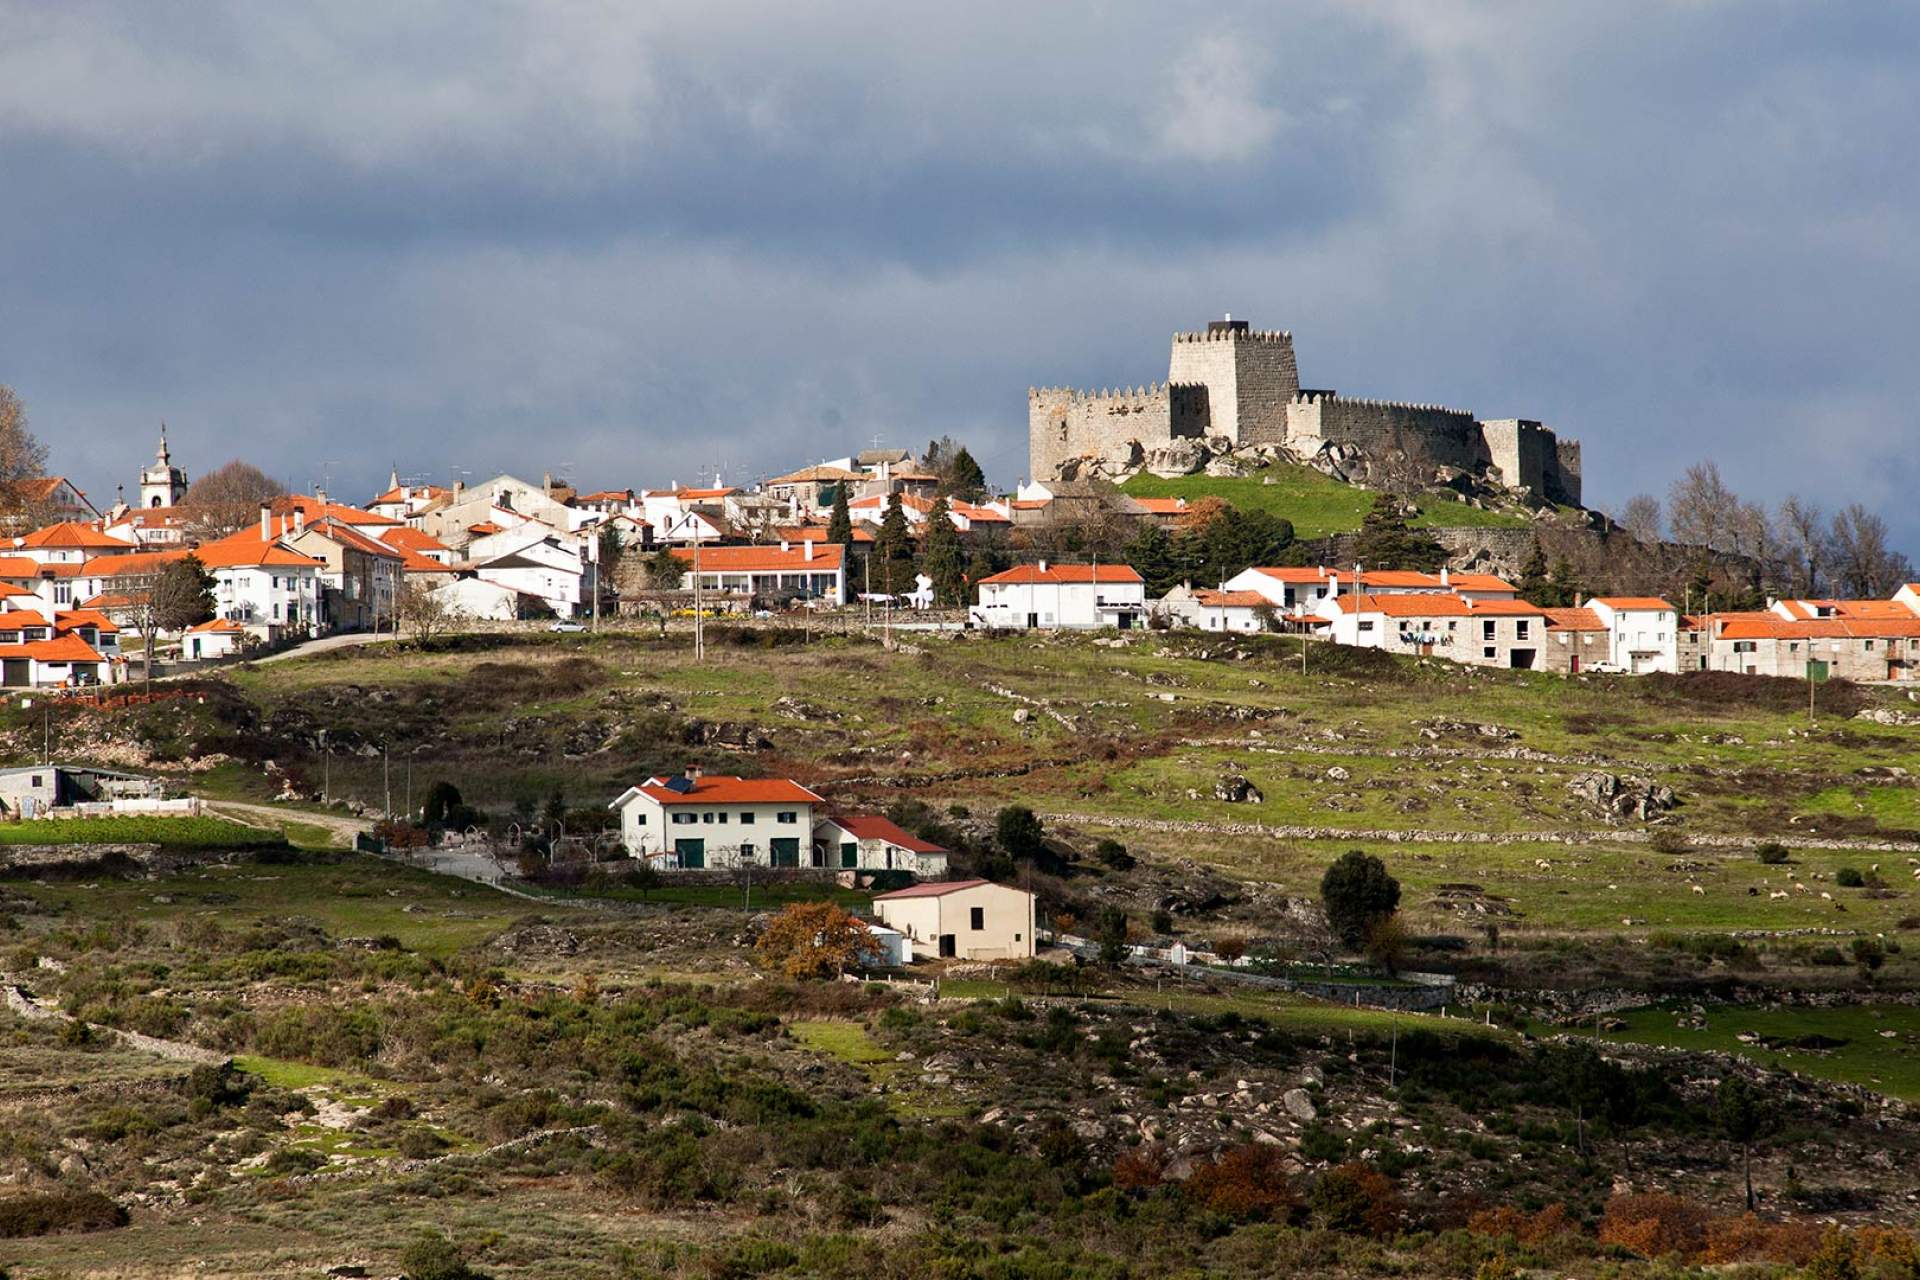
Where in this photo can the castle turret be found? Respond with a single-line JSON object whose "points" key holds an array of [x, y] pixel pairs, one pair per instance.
{"points": [[1249, 374]]}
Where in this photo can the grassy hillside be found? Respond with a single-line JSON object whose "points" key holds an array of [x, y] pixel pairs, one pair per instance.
{"points": [[1317, 504]]}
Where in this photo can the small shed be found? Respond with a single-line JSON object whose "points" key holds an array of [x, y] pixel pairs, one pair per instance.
{"points": [[961, 920]]}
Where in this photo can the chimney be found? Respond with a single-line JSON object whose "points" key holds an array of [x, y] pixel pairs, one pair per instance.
{"points": [[546, 482], [459, 487], [691, 773], [299, 519], [266, 523], [321, 496], [1043, 566], [806, 548]]}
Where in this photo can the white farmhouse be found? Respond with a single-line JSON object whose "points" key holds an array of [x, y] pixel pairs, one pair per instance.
{"points": [[1062, 595], [867, 842], [691, 822], [961, 920]]}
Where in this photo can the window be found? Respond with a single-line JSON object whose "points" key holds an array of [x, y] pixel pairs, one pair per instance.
{"points": [[1869, 646], [1520, 629], [1366, 626], [1488, 653], [1486, 631], [977, 918], [682, 819], [746, 853], [746, 817], [707, 818], [639, 819], [787, 816], [723, 817]]}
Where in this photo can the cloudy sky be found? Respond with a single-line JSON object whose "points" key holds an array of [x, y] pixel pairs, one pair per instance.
{"points": [[630, 242]]}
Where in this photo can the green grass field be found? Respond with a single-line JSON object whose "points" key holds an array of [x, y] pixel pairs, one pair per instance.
{"points": [[175, 833], [1317, 504], [1881, 1049]]}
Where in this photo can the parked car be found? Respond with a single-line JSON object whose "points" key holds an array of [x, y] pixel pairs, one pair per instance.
{"points": [[568, 627]]}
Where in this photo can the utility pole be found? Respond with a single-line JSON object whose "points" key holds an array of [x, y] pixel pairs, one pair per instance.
{"points": [[326, 769], [386, 781], [593, 555], [699, 614]]}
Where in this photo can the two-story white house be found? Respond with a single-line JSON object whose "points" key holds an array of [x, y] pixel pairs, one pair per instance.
{"points": [[1643, 632], [1488, 633], [694, 821], [1046, 596], [1303, 590]]}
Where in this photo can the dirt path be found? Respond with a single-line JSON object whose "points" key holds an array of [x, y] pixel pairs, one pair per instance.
{"points": [[341, 826]]}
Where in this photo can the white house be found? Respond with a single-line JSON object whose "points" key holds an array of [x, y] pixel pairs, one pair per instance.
{"points": [[961, 919], [218, 638], [867, 842], [67, 647], [1490, 633], [1643, 632], [694, 821], [1208, 610], [482, 601], [1303, 590], [814, 570], [536, 561], [1062, 595]]}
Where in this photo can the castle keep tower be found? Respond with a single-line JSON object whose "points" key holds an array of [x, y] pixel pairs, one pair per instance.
{"points": [[162, 484], [1249, 378]]}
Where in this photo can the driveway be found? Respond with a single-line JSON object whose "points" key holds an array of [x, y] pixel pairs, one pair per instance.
{"points": [[343, 827], [324, 643]]}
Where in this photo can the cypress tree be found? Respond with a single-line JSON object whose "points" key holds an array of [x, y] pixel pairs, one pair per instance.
{"points": [[892, 549], [840, 523], [963, 476], [941, 559]]}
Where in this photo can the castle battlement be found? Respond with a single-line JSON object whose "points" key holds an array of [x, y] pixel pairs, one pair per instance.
{"points": [[1230, 380]]}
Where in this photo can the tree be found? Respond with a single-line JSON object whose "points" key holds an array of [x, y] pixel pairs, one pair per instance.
{"points": [[1701, 508], [1567, 588], [1234, 541], [840, 523], [443, 800], [612, 548], [1641, 517], [22, 458], [180, 597], [1864, 566], [813, 940], [943, 560], [426, 612], [963, 478], [1745, 1117], [1357, 893], [1385, 541], [665, 570], [893, 549], [228, 498], [1020, 833], [1151, 554], [1387, 943], [1535, 586], [1803, 530]]}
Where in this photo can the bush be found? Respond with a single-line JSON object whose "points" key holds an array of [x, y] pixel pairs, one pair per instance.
{"points": [[1357, 893], [1668, 841], [434, 1257], [1654, 1225], [1112, 853], [1355, 1199], [1772, 853], [58, 1213], [1247, 1183], [1849, 878]]}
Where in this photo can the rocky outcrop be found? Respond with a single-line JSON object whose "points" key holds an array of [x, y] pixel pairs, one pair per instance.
{"points": [[1624, 798]]}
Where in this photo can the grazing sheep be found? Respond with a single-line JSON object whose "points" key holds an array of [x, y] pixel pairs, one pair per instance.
{"points": [[1698, 889], [1800, 888], [1824, 894], [1543, 865], [1779, 893]]}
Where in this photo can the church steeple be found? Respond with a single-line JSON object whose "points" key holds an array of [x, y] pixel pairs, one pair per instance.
{"points": [[162, 484]]}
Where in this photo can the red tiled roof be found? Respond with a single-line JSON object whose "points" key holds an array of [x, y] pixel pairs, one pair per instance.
{"points": [[1847, 608], [65, 648], [935, 890], [867, 826], [826, 559], [1061, 574], [412, 539], [428, 491], [1574, 620], [1231, 599], [314, 509], [70, 533], [138, 564], [730, 790], [817, 533], [1162, 506], [217, 624], [1767, 627], [70, 619], [1420, 604]]}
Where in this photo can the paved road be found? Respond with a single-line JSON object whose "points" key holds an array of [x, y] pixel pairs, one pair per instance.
{"points": [[343, 827]]}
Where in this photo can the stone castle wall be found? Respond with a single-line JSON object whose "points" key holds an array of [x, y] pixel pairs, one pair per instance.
{"points": [[1434, 435], [1250, 376], [1064, 424], [1529, 455]]}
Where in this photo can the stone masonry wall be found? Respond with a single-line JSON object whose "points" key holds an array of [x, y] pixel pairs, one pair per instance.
{"points": [[1064, 424], [1250, 376], [1434, 435]]}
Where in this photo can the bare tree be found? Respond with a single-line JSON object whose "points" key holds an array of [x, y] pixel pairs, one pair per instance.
{"points": [[22, 458], [427, 613], [1803, 534], [180, 596], [1701, 508], [1864, 566], [228, 498], [1754, 535], [1641, 517]]}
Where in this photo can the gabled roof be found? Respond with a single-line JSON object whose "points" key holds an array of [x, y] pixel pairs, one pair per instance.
{"points": [[1806, 609], [71, 619], [1770, 627], [412, 539], [870, 826], [314, 509], [401, 494], [605, 495], [70, 534], [1435, 604], [937, 890], [976, 513], [715, 789], [1231, 599], [136, 565], [215, 624], [1063, 574], [817, 475], [817, 533], [22, 567], [62, 648]]}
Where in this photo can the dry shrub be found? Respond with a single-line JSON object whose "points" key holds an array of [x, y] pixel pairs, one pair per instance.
{"points": [[1888, 1244], [1140, 1168], [1654, 1225], [1535, 1228], [1247, 1182], [1747, 1238], [1356, 1199]]}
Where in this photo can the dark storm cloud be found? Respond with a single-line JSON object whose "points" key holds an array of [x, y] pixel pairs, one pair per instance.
{"points": [[633, 243]]}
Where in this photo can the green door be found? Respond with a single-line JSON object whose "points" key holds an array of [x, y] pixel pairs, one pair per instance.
{"points": [[786, 851], [693, 853], [849, 853]]}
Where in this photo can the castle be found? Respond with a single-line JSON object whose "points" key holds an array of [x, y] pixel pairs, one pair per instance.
{"points": [[1240, 386]]}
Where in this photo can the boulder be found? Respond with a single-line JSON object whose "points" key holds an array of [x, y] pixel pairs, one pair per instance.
{"points": [[1232, 788], [1299, 1105]]}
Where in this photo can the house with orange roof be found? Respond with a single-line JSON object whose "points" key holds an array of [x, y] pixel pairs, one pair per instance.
{"points": [[1304, 589], [305, 570], [216, 638], [1487, 633], [1866, 649], [1208, 609], [806, 570], [1643, 633], [69, 542], [504, 500], [402, 501], [868, 842], [55, 648], [54, 499], [694, 821], [1049, 596], [1577, 640]]}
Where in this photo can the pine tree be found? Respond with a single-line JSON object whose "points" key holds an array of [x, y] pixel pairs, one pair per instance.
{"points": [[1534, 585], [840, 523], [941, 558], [1567, 586], [1386, 542], [1152, 557], [963, 478], [892, 549]]}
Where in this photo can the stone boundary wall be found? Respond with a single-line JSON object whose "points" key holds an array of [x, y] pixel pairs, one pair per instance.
{"points": [[27, 1007]]}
